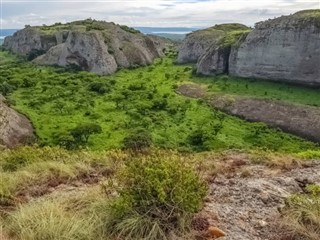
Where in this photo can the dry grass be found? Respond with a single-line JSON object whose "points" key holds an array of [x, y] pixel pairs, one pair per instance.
{"points": [[301, 216]]}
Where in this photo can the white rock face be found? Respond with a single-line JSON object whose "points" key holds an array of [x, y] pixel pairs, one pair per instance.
{"points": [[15, 129], [85, 50], [286, 49]]}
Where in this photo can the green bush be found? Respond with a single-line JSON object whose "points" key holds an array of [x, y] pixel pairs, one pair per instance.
{"points": [[138, 140], [157, 195]]}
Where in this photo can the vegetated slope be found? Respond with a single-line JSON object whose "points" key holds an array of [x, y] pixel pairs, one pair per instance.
{"points": [[126, 102], [90, 45], [285, 49], [296, 119], [197, 43]]}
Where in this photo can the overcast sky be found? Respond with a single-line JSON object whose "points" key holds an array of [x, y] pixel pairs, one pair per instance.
{"points": [[151, 13]]}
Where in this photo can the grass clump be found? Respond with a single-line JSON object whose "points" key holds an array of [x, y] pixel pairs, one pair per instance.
{"points": [[157, 196], [48, 220], [301, 215]]}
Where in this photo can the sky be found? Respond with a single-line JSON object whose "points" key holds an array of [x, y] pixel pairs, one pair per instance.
{"points": [[148, 13]]}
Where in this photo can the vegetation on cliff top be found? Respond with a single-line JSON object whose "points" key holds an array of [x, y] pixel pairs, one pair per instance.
{"points": [[84, 25]]}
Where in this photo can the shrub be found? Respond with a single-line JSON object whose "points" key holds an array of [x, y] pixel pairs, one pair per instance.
{"points": [[157, 196], [301, 215], [98, 87], [82, 132], [138, 140]]}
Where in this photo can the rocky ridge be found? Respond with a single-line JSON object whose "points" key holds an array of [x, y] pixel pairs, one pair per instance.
{"points": [[90, 45]]}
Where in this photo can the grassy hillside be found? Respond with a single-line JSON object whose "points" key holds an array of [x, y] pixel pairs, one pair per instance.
{"points": [[57, 101]]}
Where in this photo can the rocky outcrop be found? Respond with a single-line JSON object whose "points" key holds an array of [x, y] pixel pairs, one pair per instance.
{"points": [[282, 49], [198, 43], [15, 129], [95, 46], [86, 50], [285, 48], [29, 41]]}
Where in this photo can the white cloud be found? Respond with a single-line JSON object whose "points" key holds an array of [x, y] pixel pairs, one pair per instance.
{"points": [[161, 13]]}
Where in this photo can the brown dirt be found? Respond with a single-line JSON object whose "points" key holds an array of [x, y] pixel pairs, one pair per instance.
{"points": [[301, 120]]}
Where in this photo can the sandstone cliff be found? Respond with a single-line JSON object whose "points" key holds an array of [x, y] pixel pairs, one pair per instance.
{"points": [[15, 129], [196, 44], [282, 49], [286, 48], [91, 45]]}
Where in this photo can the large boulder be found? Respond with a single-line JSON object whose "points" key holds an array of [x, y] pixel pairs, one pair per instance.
{"points": [[285, 49], [15, 129], [95, 46], [197, 44]]}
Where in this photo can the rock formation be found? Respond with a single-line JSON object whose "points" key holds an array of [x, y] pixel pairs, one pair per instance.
{"points": [[196, 44], [15, 129], [286, 48], [91, 45]]}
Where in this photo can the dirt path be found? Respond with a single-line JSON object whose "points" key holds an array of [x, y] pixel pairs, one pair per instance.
{"points": [[301, 120]]}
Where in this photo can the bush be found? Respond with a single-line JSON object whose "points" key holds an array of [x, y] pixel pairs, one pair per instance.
{"points": [[98, 88], [82, 132], [157, 195], [138, 140], [301, 215]]}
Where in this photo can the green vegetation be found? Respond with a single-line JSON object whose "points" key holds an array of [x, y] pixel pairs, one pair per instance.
{"points": [[260, 88], [138, 197], [311, 13], [134, 99], [156, 196], [301, 215], [228, 33]]}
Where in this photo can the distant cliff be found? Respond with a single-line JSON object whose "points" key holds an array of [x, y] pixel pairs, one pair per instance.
{"points": [[15, 129], [286, 48], [196, 44], [283, 49], [90, 45]]}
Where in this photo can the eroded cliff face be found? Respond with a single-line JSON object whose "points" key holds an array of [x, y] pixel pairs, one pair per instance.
{"points": [[198, 43], [29, 40], [15, 129], [285, 48], [95, 46]]}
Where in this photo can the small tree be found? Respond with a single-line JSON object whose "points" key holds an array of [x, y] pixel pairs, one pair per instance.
{"points": [[138, 140], [82, 132]]}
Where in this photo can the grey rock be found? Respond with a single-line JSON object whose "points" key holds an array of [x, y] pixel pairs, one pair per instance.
{"points": [[15, 129], [30, 39], [285, 48], [201, 45]]}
